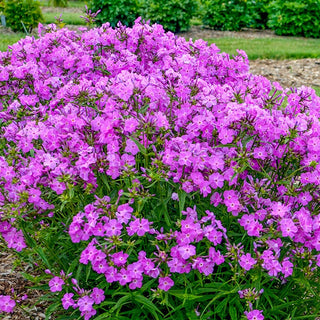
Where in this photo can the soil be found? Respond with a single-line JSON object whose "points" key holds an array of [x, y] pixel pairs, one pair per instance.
{"points": [[10, 277], [289, 73]]}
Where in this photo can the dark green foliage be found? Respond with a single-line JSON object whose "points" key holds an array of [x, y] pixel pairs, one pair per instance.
{"points": [[296, 18], [173, 15], [126, 11], [258, 11], [226, 15], [200, 10], [22, 13]]}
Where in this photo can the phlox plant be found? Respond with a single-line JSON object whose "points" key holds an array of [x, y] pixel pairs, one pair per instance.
{"points": [[144, 176]]}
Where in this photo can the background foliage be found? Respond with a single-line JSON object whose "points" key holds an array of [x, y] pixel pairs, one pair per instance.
{"points": [[226, 15], [126, 11], [259, 13], [296, 18], [22, 12], [174, 15]]}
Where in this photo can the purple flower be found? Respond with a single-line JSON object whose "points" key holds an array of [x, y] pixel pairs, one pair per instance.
{"points": [[247, 262], [113, 228], [260, 153], [287, 268], [138, 226], [124, 277], [85, 304], [86, 112], [119, 258], [97, 295], [175, 196], [187, 251], [165, 283], [55, 284], [7, 304], [254, 315], [111, 274], [288, 227], [67, 301]]}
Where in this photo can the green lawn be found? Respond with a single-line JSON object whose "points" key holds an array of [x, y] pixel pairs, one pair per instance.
{"points": [[71, 4], [72, 18], [8, 39], [270, 48], [317, 90]]}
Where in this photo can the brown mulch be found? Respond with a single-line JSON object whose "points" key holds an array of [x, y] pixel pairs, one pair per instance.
{"points": [[11, 278], [289, 73]]}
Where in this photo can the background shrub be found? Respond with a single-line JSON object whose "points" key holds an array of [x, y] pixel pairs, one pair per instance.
{"points": [[296, 18], [27, 12], [258, 11], [174, 15], [112, 11], [226, 15]]}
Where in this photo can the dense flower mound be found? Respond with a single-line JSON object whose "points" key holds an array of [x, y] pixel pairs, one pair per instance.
{"points": [[163, 158]]}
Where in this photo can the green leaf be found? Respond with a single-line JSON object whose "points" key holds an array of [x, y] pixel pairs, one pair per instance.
{"points": [[122, 301], [75, 263], [42, 255], [103, 316], [184, 296], [147, 285], [221, 306], [67, 317], [51, 309], [233, 313], [148, 304], [30, 277], [104, 179], [219, 295], [140, 146], [182, 199], [166, 214], [227, 145], [88, 272]]}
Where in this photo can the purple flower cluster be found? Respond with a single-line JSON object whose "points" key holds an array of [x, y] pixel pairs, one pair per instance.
{"points": [[139, 103], [105, 223], [81, 299]]}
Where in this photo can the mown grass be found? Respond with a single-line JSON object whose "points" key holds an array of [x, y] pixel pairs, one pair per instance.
{"points": [[317, 90], [72, 18], [270, 48], [71, 4], [8, 39]]}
